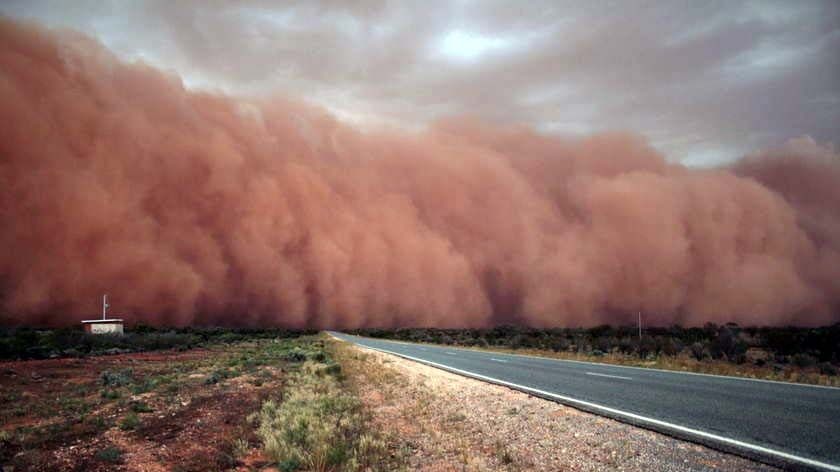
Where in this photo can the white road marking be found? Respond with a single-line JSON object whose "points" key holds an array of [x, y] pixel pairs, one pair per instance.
{"points": [[610, 376], [649, 369], [452, 353], [497, 360], [627, 415]]}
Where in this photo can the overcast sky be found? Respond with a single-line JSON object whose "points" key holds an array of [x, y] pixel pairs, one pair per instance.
{"points": [[705, 81]]}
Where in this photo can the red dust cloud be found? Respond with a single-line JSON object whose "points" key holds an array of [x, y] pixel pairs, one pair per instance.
{"points": [[197, 208]]}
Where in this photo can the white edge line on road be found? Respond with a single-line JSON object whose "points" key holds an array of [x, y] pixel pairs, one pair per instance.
{"points": [[626, 414], [604, 364], [498, 360], [610, 376]]}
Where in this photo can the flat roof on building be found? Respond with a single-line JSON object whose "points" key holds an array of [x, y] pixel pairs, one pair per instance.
{"points": [[112, 320]]}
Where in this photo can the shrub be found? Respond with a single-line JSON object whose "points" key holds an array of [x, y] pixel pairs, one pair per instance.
{"points": [[699, 352], [116, 378], [141, 407], [110, 454], [241, 447], [294, 355], [131, 421], [560, 344], [826, 368], [803, 361]]}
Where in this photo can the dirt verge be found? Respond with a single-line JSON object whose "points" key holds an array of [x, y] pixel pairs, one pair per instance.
{"points": [[448, 422]]}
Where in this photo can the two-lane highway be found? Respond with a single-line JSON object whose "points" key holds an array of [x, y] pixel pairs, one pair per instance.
{"points": [[797, 426]]}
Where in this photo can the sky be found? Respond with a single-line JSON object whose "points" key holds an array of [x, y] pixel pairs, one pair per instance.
{"points": [[704, 82], [454, 166]]}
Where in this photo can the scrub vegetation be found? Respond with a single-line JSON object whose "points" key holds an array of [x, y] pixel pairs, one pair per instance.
{"points": [[249, 403], [33, 343]]}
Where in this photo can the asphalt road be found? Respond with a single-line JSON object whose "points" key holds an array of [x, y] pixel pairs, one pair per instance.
{"points": [[795, 426]]}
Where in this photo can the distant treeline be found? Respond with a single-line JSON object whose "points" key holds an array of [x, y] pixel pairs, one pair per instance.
{"points": [[31, 343], [804, 347]]}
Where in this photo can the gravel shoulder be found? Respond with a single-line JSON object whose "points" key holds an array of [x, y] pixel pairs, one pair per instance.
{"points": [[443, 422]]}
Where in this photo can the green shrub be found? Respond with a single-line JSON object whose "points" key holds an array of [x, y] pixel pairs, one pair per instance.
{"points": [[131, 421], [141, 407], [110, 454], [288, 465], [117, 378], [295, 355]]}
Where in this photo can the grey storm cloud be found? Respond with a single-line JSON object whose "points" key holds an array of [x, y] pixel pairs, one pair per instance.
{"points": [[706, 82]]}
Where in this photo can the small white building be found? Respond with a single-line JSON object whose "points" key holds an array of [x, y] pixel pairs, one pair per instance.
{"points": [[105, 325]]}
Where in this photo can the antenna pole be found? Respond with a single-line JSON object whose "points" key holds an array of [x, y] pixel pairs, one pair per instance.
{"points": [[640, 325]]}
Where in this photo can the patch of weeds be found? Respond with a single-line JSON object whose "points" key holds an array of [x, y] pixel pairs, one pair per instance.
{"points": [[110, 394], [288, 465], [330, 368], [147, 385], [97, 422], [73, 405], [110, 454], [319, 425], [117, 378], [130, 422], [141, 407], [241, 448], [513, 411], [218, 375], [294, 355]]}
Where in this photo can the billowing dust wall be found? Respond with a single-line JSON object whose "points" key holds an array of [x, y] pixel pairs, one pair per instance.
{"points": [[191, 207]]}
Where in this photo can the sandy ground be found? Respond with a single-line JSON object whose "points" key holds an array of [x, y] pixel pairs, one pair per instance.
{"points": [[448, 422], [187, 425]]}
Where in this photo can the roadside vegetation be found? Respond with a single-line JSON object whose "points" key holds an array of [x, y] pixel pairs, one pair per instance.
{"points": [[249, 403], [320, 424], [806, 355], [33, 343]]}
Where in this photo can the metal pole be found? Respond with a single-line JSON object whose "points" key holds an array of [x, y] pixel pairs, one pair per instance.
{"points": [[640, 325], [104, 305]]}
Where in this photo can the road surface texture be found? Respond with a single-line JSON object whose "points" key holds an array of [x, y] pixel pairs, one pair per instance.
{"points": [[791, 425]]}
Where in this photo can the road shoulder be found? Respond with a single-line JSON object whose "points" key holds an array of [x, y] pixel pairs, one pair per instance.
{"points": [[446, 421]]}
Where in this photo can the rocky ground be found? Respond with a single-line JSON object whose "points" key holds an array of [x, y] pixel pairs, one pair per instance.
{"points": [[448, 422], [184, 411]]}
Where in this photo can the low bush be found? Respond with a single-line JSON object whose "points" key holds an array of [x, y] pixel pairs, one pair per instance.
{"points": [[141, 407], [130, 422], [116, 378], [110, 454]]}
